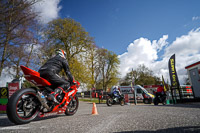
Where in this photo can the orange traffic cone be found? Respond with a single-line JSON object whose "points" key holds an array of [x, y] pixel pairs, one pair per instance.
{"points": [[94, 109]]}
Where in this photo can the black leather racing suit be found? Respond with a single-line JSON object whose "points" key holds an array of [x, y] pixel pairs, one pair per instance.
{"points": [[51, 69]]}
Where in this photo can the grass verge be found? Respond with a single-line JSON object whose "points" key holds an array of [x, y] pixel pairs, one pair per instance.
{"points": [[92, 100]]}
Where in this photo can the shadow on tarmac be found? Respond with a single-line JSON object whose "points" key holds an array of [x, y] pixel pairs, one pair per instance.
{"points": [[175, 105], [182, 105], [5, 122], [190, 129]]}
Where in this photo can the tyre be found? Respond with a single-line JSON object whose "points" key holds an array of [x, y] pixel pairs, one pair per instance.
{"points": [[109, 101], [122, 102], [155, 101], [23, 106], [150, 100], [146, 101], [164, 102], [72, 107]]}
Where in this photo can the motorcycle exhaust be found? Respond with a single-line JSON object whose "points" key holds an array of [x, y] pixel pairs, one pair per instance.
{"points": [[42, 100]]}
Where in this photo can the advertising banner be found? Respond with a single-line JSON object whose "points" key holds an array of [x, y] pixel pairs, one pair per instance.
{"points": [[4, 93], [164, 84], [12, 87], [172, 73]]}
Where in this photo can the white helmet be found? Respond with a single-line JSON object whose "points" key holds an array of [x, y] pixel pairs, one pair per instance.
{"points": [[61, 52], [115, 87]]}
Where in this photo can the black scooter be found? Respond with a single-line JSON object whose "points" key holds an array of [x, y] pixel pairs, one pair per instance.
{"points": [[159, 98], [111, 99]]}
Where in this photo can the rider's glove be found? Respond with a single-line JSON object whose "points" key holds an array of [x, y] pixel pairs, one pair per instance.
{"points": [[72, 83]]}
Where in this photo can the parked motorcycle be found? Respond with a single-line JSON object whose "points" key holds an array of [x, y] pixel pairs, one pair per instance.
{"points": [[159, 98], [28, 103], [111, 99]]}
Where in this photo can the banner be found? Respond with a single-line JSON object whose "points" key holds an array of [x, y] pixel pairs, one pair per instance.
{"points": [[4, 93], [172, 73], [13, 87], [164, 85]]}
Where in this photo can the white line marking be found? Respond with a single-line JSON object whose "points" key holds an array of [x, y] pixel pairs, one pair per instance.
{"points": [[14, 128]]}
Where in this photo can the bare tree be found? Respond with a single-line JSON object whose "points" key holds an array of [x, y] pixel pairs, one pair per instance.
{"points": [[15, 18]]}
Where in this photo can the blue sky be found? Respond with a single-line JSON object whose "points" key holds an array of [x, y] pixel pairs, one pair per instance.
{"points": [[116, 23], [139, 31], [142, 31]]}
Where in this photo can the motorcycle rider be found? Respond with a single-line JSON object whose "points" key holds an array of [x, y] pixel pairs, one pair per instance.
{"points": [[116, 93], [50, 71], [160, 91]]}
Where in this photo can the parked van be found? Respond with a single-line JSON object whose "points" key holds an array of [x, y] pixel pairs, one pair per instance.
{"points": [[141, 93]]}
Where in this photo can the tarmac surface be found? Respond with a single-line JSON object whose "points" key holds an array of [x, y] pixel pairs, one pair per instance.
{"points": [[140, 118]]}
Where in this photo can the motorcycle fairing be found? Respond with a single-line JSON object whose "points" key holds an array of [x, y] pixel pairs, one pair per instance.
{"points": [[59, 110], [34, 77]]}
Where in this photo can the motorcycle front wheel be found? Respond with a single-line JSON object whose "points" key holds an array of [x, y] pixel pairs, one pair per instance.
{"points": [[122, 102], [155, 101], [109, 101], [23, 106], [72, 107]]}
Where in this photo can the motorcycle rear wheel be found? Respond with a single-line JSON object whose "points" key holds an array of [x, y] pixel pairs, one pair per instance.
{"points": [[23, 106], [109, 101], [72, 107], [164, 102]]}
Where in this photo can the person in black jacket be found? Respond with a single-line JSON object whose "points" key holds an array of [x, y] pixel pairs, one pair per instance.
{"points": [[50, 71]]}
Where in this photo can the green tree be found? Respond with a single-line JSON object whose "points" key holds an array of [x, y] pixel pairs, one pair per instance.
{"points": [[70, 36], [142, 76], [108, 64], [92, 65], [79, 71]]}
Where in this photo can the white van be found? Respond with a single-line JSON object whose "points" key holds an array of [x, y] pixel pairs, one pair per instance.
{"points": [[141, 93]]}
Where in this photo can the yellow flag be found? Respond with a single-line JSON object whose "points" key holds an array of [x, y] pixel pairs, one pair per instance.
{"points": [[164, 85]]}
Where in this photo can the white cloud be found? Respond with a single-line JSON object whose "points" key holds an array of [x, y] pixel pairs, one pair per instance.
{"points": [[158, 45], [6, 77], [195, 18], [187, 51], [48, 10], [143, 51], [185, 45], [140, 51]]}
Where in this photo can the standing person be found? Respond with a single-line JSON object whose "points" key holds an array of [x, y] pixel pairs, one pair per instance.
{"points": [[50, 71]]}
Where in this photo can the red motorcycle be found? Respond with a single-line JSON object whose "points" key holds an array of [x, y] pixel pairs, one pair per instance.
{"points": [[28, 103]]}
